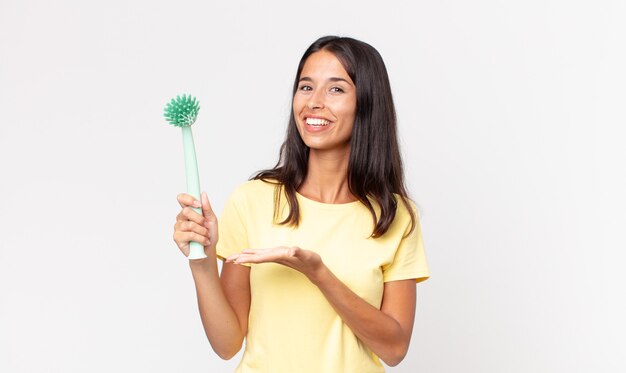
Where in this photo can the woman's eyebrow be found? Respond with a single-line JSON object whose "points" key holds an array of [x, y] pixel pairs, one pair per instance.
{"points": [[339, 80]]}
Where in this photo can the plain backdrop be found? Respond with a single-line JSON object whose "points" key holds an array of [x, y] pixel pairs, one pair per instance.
{"points": [[511, 118]]}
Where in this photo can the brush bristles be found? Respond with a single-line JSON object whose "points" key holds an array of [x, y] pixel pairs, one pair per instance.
{"points": [[182, 111]]}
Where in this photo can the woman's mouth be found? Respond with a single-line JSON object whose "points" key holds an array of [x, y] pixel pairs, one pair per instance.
{"points": [[317, 122]]}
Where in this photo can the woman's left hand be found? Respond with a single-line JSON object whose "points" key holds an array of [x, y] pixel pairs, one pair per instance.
{"points": [[305, 261]]}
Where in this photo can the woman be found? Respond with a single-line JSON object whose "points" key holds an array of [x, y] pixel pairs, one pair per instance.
{"points": [[322, 252]]}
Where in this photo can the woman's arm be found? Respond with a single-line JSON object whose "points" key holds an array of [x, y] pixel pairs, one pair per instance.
{"points": [[223, 303], [386, 331]]}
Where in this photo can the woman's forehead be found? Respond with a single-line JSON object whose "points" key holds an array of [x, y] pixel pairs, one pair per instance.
{"points": [[324, 65]]}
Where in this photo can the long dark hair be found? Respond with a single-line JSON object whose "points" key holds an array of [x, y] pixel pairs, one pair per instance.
{"points": [[375, 170]]}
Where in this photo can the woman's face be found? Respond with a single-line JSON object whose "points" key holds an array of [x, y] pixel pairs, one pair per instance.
{"points": [[324, 104]]}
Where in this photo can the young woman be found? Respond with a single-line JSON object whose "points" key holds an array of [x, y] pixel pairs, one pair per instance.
{"points": [[322, 252]]}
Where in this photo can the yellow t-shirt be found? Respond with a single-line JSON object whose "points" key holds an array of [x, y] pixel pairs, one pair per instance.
{"points": [[292, 327]]}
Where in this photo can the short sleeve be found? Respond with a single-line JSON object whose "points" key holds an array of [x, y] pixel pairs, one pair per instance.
{"points": [[233, 236], [410, 260]]}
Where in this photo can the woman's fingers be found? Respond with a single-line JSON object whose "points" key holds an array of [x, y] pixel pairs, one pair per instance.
{"points": [[207, 210], [189, 226], [182, 236], [281, 255], [305, 261], [187, 213], [185, 200]]}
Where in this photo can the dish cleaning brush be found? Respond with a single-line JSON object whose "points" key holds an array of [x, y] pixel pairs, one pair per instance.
{"points": [[182, 112]]}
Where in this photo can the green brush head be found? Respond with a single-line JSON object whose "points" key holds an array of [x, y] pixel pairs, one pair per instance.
{"points": [[182, 111]]}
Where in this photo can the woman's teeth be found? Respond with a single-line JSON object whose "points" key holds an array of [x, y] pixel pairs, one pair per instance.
{"points": [[317, 122]]}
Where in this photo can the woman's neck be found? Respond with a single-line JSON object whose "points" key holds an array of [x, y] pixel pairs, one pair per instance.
{"points": [[327, 178]]}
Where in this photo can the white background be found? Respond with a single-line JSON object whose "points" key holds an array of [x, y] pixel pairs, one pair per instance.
{"points": [[510, 113]]}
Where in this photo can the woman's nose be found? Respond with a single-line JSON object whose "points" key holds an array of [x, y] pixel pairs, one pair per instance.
{"points": [[316, 100]]}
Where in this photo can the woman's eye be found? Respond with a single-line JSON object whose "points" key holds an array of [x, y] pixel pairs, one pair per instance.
{"points": [[305, 88], [336, 89]]}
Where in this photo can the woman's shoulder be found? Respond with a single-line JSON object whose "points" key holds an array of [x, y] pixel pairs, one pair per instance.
{"points": [[254, 189]]}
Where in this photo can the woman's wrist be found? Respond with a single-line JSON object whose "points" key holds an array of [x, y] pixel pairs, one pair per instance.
{"points": [[203, 264], [320, 275]]}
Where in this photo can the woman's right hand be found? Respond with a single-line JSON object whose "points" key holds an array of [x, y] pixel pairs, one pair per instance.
{"points": [[191, 226]]}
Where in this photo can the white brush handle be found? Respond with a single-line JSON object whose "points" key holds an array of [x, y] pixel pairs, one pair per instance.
{"points": [[196, 249]]}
